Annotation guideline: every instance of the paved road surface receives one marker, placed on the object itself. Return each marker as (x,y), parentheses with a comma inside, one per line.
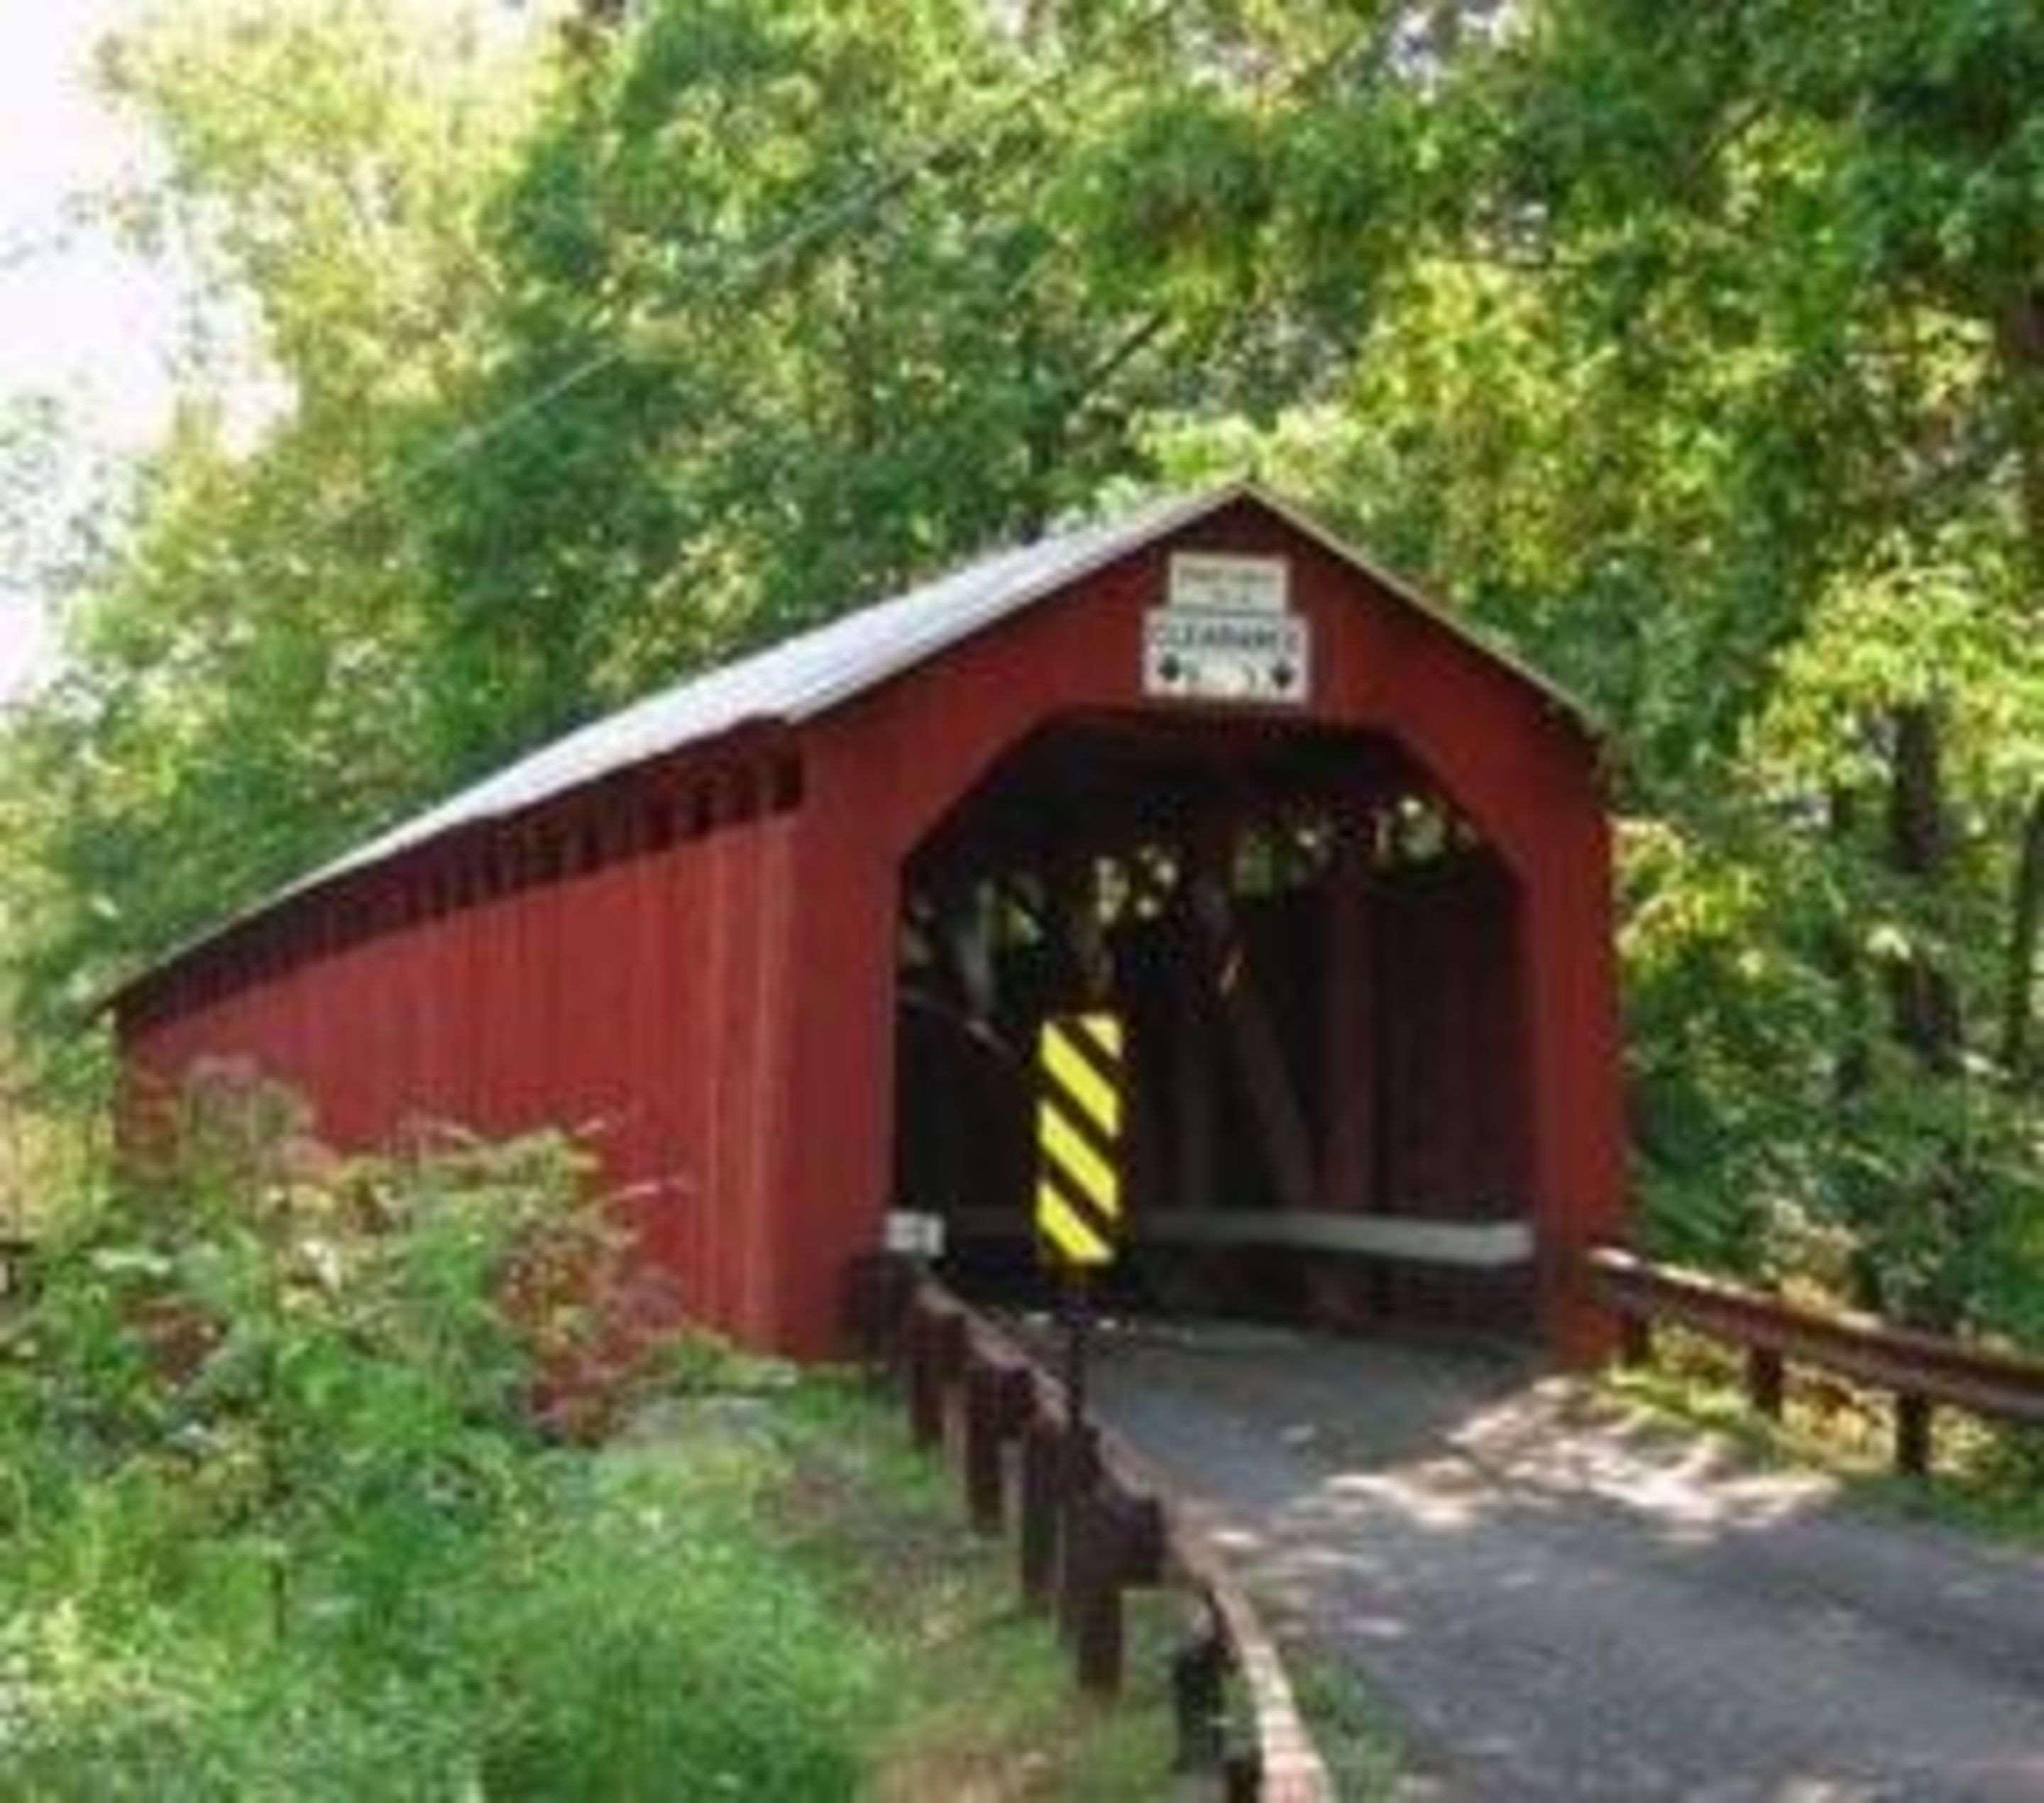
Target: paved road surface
(1568,1604)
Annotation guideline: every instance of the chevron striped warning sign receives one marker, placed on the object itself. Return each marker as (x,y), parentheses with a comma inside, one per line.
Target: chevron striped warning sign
(1078,1136)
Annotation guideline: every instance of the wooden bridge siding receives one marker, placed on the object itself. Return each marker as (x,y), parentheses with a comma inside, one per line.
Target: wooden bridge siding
(885,768)
(638,997)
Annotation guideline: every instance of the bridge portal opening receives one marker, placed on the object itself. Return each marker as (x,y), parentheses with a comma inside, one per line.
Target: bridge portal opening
(1318,964)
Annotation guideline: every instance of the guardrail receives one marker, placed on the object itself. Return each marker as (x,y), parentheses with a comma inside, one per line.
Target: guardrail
(1091,1517)
(1922,1370)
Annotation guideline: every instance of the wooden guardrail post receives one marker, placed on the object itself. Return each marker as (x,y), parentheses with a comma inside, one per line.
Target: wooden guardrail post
(1042,1452)
(878,1291)
(926,1397)
(1096,1599)
(1635,1340)
(1079,1469)
(949,1341)
(949,1336)
(936,1351)
(991,1414)
(1120,1541)
(1764,1380)
(1199,1670)
(1912,1435)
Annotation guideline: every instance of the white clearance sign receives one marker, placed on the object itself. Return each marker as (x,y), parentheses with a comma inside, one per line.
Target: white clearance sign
(1227,633)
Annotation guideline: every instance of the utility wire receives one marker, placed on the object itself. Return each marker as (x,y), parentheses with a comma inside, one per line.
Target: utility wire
(756,263)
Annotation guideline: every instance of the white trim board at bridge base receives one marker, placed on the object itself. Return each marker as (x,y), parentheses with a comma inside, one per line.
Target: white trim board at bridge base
(1475,1245)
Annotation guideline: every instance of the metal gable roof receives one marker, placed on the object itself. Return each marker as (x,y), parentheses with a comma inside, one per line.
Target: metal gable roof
(793,680)
(815,671)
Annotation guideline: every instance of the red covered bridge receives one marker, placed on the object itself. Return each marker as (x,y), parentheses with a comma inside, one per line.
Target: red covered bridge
(777,930)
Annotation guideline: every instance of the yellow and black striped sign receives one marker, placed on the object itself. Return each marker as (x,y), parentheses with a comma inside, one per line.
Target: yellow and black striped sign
(1078,1134)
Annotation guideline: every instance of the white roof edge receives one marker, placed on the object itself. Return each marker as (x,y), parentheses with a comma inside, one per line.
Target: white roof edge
(802,698)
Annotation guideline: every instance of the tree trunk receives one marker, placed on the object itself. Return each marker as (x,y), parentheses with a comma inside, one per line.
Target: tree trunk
(2018,331)
(2026,917)
(1916,796)
(590,28)
(1843,951)
(1924,1003)
(2020,339)
(1925,1006)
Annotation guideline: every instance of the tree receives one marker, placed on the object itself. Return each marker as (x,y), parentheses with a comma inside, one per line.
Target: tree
(797,310)
(241,692)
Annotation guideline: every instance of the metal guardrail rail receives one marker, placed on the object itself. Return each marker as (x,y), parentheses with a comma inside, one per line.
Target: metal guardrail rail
(1923,1370)
(1091,1517)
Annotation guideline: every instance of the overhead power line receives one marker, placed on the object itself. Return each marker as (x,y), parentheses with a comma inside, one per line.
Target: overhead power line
(751,267)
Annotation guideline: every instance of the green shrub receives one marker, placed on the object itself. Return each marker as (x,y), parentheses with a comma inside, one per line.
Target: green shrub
(659,1645)
(280,1517)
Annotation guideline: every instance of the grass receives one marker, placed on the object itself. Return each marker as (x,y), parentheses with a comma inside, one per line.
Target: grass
(980,1705)
(622,1630)
(1985,1479)
(1365,1755)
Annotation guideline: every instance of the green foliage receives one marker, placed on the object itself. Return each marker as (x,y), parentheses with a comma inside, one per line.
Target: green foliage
(592,367)
(240,692)
(811,292)
(668,1645)
(279,1520)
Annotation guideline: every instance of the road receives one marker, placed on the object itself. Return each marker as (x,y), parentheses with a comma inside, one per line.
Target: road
(1563,1599)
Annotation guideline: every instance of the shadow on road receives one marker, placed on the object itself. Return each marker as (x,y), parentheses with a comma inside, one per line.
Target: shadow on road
(1567,1599)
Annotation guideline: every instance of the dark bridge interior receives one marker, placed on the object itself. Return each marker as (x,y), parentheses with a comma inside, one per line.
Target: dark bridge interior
(1317,960)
